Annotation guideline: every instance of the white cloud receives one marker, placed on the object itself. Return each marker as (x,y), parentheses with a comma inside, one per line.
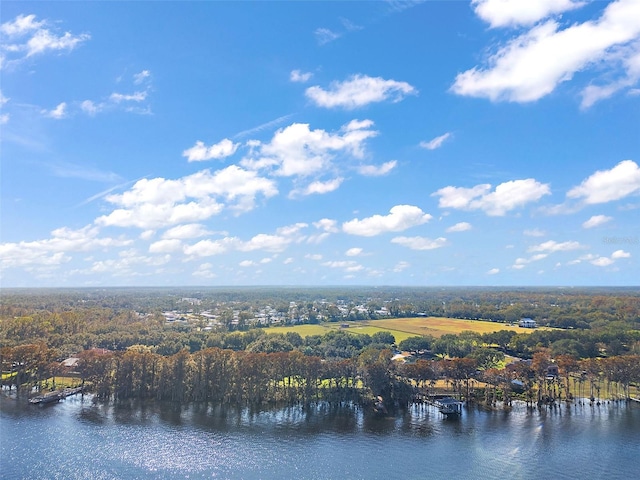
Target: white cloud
(358,91)
(436,142)
(401,217)
(3,99)
(609,185)
(300,77)
(493,271)
(191,230)
(349,266)
(401,266)
(4,118)
(327,224)
(507,13)
(140,96)
(324,35)
(139,78)
(602,261)
(90,107)
(620,254)
(532,65)
(165,246)
(204,271)
(596,221)
(535,232)
(377,170)
(158,202)
(25,37)
(57,113)
(420,243)
(521,262)
(353,252)
(506,196)
(553,246)
(298,151)
(200,152)
(459,227)
(21,25)
(208,248)
(318,187)
(54,250)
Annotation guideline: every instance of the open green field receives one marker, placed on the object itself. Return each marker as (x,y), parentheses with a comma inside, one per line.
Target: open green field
(402,328)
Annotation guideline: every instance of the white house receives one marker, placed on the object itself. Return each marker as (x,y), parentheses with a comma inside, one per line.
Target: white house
(527,323)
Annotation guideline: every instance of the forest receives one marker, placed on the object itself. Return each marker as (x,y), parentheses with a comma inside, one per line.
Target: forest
(125,349)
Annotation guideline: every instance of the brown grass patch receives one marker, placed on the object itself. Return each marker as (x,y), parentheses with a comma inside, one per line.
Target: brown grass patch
(438,326)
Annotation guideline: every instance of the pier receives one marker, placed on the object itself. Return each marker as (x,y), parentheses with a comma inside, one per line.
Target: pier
(56,396)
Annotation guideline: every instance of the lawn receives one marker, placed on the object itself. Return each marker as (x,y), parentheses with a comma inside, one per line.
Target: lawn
(438,326)
(402,328)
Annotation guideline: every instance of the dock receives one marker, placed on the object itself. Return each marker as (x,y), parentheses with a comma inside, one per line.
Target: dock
(448,406)
(56,396)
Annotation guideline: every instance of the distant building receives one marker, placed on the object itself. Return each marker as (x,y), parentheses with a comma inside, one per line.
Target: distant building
(527,323)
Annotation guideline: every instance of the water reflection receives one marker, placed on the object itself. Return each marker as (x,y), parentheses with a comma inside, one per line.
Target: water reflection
(79,439)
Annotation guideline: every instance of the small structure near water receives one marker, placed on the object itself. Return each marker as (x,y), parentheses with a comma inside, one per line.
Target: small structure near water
(56,396)
(449,406)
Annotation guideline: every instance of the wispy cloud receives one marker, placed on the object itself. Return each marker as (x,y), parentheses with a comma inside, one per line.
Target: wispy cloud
(436,142)
(264,126)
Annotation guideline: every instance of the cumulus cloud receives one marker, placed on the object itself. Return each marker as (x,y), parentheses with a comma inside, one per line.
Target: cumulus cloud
(353,252)
(327,224)
(508,13)
(606,261)
(24,37)
(57,113)
(299,76)
(208,247)
(420,243)
(506,197)
(190,230)
(493,271)
(165,246)
(158,202)
(520,263)
(401,217)
(91,108)
(349,266)
(276,243)
(55,250)
(459,227)
(553,246)
(377,170)
(301,152)
(609,185)
(200,151)
(358,91)
(435,142)
(596,221)
(531,65)
(318,188)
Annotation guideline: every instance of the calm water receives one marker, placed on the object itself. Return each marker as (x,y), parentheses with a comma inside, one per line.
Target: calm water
(78,440)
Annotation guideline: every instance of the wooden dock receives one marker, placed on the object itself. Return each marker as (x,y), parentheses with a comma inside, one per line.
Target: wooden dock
(56,396)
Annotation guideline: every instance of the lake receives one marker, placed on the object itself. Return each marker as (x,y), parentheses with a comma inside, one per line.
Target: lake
(76,439)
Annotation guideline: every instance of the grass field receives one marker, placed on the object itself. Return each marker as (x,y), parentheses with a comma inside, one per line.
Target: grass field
(402,328)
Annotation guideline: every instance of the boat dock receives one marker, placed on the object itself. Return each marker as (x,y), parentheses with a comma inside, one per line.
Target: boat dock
(448,406)
(56,396)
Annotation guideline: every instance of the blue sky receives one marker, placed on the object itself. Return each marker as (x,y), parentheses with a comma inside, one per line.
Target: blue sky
(490,142)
